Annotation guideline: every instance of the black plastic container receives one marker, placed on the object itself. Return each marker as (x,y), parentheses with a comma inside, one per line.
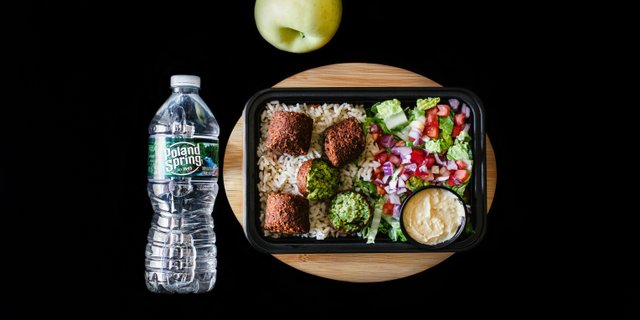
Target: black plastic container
(367,97)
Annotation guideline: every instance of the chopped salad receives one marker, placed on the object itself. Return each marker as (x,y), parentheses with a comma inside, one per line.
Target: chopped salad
(422,145)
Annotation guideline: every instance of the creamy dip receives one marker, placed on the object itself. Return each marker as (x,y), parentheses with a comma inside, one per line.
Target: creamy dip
(432,216)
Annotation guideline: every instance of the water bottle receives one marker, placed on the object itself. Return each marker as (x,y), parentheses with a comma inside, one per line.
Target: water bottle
(183,184)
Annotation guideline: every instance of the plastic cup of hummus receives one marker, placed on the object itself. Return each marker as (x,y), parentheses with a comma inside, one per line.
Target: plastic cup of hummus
(433,217)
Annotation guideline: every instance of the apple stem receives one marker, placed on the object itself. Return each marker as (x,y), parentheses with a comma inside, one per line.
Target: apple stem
(302,33)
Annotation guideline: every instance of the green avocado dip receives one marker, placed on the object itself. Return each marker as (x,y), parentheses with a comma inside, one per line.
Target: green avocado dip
(322,181)
(349,211)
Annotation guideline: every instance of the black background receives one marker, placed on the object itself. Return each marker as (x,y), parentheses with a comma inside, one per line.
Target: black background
(106,67)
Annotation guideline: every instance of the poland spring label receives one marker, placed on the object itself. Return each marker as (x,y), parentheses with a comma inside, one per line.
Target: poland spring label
(182,157)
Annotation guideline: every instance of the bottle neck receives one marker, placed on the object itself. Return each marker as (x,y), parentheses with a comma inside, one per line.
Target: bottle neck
(185,90)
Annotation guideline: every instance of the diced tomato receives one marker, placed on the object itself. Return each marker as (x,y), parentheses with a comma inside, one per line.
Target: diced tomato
(443,110)
(417,156)
(400,143)
(459,118)
(426,176)
(456,131)
(429,161)
(382,157)
(432,119)
(377,173)
(461,164)
(380,190)
(431,131)
(453,181)
(429,176)
(387,208)
(395,159)
(432,111)
(461,175)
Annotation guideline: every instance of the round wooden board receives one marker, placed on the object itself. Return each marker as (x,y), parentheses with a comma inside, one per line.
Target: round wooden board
(352,267)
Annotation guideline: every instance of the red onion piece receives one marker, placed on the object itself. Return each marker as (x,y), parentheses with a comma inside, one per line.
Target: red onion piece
(395,160)
(466,110)
(386,141)
(454,103)
(396,211)
(394,199)
(411,167)
(387,168)
(401,150)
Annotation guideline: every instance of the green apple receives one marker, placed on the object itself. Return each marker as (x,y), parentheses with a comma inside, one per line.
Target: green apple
(298,25)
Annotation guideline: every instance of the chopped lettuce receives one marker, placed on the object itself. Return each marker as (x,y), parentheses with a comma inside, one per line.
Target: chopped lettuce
(460,189)
(372,230)
(393,229)
(366,187)
(414,183)
(391,114)
(428,103)
(374,107)
(388,108)
(415,113)
(445,142)
(432,146)
(463,136)
(403,134)
(439,145)
(446,125)
(459,151)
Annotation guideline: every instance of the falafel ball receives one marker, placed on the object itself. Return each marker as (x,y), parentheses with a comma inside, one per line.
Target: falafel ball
(344,142)
(287,214)
(317,180)
(289,132)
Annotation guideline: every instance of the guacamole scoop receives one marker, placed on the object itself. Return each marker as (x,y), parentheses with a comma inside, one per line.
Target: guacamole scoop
(349,211)
(317,180)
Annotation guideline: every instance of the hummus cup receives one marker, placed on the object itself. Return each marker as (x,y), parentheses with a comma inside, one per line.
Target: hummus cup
(441,244)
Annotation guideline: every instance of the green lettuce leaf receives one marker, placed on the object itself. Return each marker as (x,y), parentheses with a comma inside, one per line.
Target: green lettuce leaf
(446,125)
(428,103)
(459,151)
(463,137)
(366,187)
(414,183)
(460,189)
(388,108)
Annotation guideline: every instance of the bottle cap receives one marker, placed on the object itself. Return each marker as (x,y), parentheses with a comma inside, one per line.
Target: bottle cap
(185,81)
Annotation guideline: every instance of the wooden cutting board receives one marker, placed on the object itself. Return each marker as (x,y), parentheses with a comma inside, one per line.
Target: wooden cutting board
(353,267)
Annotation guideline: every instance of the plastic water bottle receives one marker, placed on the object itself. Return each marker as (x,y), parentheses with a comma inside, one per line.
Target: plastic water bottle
(183,184)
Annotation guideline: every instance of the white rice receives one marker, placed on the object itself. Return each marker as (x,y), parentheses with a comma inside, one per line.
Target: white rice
(278,174)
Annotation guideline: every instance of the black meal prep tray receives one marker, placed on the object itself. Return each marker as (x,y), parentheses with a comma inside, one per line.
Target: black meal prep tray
(366,97)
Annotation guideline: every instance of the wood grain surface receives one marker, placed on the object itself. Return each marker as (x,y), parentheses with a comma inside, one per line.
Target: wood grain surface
(352,267)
